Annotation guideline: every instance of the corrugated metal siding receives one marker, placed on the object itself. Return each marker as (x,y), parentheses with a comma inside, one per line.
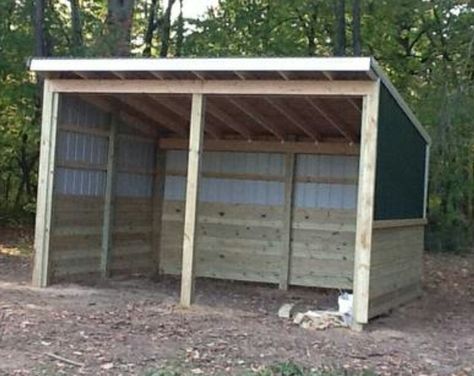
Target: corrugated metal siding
(307,195)
(135,155)
(323,195)
(88,149)
(74,111)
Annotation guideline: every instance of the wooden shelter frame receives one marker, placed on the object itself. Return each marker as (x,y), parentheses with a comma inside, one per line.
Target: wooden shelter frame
(368,90)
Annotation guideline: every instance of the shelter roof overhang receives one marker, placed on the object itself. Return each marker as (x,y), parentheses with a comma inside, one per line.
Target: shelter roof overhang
(294,69)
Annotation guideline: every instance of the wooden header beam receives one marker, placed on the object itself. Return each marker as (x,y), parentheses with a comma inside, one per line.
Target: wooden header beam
(224,87)
(335,148)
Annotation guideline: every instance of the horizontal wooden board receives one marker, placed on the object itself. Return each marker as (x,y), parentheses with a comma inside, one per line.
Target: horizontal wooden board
(396,266)
(243,242)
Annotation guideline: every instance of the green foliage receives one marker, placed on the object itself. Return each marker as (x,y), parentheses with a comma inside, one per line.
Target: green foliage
(280,369)
(426,46)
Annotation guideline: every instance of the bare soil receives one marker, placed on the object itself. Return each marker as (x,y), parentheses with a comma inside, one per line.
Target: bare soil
(130,327)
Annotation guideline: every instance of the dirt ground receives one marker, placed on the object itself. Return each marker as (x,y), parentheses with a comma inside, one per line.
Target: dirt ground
(129,327)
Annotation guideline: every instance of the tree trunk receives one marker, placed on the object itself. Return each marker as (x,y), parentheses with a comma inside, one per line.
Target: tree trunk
(151,27)
(180,31)
(340,28)
(166,29)
(356,39)
(77,41)
(40,44)
(119,26)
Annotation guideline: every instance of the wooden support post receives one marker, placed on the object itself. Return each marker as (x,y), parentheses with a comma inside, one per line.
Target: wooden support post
(365,207)
(287,221)
(109,199)
(45,186)
(427,172)
(157,205)
(192,197)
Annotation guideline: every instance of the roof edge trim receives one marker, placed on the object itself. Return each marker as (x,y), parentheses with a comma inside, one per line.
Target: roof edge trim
(401,102)
(338,64)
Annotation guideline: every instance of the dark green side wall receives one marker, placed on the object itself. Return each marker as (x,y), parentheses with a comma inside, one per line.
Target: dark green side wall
(400,171)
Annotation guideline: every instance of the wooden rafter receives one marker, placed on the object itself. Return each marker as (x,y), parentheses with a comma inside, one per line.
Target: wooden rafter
(292,117)
(198,75)
(157,75)
(257,118)
(347,133)
(126,114)
(152,113)
(228,121)
(172,106)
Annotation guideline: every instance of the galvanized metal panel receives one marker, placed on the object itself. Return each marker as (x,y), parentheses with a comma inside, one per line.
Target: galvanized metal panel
(134,154)
(70,181)
(75,111)
(80,147)
(322,195)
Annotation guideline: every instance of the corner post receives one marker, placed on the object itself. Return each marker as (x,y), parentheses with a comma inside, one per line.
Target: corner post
(192,197)
(427,172)
(45,186)
(157,206)
(365,207)
(109,199)
(287,221)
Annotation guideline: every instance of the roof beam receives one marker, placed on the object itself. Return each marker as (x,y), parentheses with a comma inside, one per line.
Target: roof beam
(329,148)
(288,113)
(341,128)
(131,120)
(157,75)
(198,75)
(229,121)
(156,116)
(218,87)
(284,75)
(257,118)
(120,75)
(184,114)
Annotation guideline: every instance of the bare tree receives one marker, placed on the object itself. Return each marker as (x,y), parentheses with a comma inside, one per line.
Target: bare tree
(180,31)
(151,27)
(356,39)
(77,41)
(40,40)
(166,29)
(340,28)
(119,26)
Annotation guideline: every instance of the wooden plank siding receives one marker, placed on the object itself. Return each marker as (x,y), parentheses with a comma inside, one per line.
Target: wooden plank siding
(244,242)
(396,267)
(79,197)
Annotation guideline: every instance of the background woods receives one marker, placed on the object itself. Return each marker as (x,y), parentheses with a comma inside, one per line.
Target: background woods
(427,47)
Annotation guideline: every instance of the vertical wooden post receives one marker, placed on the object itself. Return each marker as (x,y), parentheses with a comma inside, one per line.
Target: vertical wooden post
(192,196)
(109,199)
(427,171)
(45,186)
(365,207)
(287,221)
(157,205)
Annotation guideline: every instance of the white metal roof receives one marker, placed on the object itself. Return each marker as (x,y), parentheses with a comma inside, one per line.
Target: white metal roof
(366,68)
(294,64)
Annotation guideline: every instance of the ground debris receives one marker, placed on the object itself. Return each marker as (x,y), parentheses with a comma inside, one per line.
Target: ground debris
(319,320)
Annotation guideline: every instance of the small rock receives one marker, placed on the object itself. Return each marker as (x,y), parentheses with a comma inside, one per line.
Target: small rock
(298,318)
(285,310)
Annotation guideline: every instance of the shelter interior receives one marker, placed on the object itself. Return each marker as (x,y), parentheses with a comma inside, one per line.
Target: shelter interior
(275,177)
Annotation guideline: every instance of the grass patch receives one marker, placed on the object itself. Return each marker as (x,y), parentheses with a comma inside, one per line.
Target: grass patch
(280,369)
